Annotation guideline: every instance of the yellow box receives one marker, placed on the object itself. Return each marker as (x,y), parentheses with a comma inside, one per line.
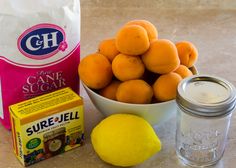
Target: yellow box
(47,125)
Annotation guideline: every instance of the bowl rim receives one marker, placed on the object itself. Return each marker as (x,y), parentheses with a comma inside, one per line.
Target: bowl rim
(193,69)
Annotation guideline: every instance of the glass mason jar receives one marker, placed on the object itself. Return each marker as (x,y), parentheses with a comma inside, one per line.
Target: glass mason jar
(205,105)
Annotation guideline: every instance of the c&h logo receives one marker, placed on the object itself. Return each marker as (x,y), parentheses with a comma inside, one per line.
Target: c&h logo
(42,41)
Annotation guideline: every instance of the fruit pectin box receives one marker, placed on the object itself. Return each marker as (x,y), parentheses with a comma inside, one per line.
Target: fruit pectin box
(47,125)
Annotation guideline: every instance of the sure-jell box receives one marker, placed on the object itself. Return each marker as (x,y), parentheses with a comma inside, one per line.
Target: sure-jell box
(47,125)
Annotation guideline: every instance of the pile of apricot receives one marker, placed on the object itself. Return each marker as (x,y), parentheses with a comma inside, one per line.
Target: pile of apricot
(137,67)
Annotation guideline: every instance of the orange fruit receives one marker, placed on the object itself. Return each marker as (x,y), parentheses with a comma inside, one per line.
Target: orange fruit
(108,48)
(187,52)
(148,26)
(127,67)
(134,91)
(95,71)
(165,86)
(183,71)
(110,90)
(132,40)
(162,57)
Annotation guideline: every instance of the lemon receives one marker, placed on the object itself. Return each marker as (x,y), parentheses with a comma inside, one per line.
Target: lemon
(125,140)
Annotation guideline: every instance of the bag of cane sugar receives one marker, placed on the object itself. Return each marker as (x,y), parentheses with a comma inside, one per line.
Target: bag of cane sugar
(39,49)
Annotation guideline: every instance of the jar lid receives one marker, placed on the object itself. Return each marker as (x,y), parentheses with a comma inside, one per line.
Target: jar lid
(206,96)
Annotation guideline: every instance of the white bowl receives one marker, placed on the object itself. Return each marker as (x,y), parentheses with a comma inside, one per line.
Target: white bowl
(156,113)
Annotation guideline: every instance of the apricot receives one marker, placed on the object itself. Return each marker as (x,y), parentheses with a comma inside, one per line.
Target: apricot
(187,52)
(134,91)
(132,40)
(108,48)
(165,86)
(183,71)
(110,90)
(95,71)
(148,26)
(162,57)
(127,67)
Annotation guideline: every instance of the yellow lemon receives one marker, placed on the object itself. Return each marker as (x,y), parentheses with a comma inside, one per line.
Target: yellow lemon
(125,140)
